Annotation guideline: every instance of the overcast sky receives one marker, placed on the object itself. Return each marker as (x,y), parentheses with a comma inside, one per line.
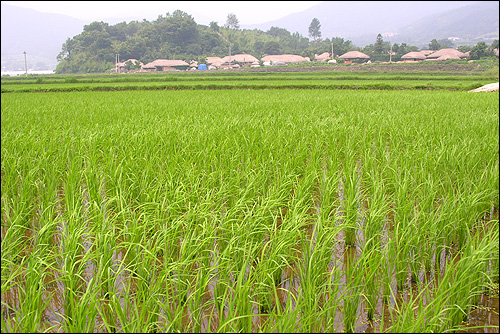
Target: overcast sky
(247,12)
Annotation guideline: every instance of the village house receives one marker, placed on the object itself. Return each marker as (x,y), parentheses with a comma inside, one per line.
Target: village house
(413,56)
(322,57)
(227,65)
(238,60)
(355,56)
(122,67)
(445,54)
(285,58)
(160,65)
(242,59)
(427,52)
(214,62)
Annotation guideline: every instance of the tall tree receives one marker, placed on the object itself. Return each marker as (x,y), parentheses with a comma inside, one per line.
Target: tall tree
(434,45)
(272,48)
(446,43)
(67,48)
(464,48)
(278,32)
(314,29)
(480,50)
(379,45)
(214,26)
(340,46)
(232,21)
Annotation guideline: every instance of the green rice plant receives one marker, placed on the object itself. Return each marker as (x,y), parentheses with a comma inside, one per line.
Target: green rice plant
(429,219)
(403,316)
(19,199)
(372,263)
(314,274)
(328,191)
(415,261)
(331,305)
(10,283)
(28,318)
(372,233)
(400,252)
(352,291)
(84,310)
(387,272)
(73,262)
(172,312)
(448,305)
(351,191)
(148,289)
(198,292)
(240,306)
(221,296)
(104,262)
(264,287)
(145,309)
(12,252)
(247,83)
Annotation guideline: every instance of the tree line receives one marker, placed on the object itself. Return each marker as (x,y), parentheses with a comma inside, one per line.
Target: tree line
(178,36)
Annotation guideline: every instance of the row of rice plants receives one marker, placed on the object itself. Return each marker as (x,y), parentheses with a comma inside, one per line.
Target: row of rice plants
(247,210)
(247,76)
(255,83)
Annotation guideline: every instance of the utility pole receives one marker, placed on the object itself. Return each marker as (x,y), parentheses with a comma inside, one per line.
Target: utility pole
(390,54)
(117,60)
(332,51)
(25,64)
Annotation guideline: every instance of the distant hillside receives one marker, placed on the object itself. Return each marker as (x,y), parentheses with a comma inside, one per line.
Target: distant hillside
(472,23)
(415,22)
(41,35)
(355,18)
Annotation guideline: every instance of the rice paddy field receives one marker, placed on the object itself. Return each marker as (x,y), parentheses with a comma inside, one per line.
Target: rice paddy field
(419,80)
(364,203)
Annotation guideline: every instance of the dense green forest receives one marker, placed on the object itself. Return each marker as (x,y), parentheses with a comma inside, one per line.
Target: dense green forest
(178,36)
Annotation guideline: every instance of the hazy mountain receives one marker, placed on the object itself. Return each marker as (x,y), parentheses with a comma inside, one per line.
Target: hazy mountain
(41,35)
(362,21)
(472,23)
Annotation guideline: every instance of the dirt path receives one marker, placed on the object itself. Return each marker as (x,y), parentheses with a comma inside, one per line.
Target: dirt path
(487,88)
